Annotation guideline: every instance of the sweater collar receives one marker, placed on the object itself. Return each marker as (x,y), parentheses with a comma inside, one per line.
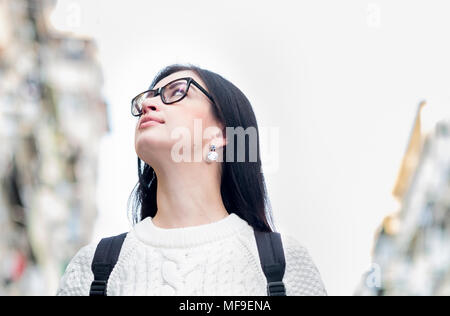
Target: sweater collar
(150,234)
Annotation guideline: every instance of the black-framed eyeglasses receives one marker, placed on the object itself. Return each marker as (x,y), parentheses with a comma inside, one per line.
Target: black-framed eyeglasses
(172,92)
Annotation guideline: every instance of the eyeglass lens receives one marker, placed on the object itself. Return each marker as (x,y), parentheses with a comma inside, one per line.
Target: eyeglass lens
(175,91)
(171,93)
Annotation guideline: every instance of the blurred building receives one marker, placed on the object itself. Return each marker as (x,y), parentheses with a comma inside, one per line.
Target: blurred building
(52,117)
(411,255)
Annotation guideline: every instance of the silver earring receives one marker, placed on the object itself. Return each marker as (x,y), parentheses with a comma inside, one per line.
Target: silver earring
(212,154)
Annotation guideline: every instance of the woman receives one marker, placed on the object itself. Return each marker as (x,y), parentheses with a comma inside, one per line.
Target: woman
(196,205)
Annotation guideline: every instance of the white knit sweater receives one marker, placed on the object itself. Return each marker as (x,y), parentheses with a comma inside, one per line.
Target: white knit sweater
(219,258)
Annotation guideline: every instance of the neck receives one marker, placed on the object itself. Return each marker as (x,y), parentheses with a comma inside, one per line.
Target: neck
(188,194)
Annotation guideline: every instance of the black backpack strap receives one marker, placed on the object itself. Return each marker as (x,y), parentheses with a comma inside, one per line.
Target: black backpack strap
(272,259)
(105,258)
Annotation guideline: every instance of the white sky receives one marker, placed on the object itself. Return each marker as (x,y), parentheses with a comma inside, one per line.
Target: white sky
(339,80)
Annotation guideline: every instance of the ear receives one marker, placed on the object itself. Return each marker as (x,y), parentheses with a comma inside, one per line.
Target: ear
(215,136)
(220,142)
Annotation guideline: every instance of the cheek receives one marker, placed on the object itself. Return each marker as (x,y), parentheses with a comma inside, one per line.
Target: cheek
(187,118)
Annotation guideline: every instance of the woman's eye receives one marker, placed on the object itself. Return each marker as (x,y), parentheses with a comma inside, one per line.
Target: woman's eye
(181,92)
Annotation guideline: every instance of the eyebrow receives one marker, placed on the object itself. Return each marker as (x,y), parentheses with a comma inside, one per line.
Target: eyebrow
(174,82)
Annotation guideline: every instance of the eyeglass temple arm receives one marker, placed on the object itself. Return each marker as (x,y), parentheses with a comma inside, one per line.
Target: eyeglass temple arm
(203,90)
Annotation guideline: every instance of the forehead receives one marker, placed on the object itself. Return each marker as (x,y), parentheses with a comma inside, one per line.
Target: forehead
(177,75)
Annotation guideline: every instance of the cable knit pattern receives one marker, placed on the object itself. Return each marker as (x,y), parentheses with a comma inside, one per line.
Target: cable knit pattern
(219,258)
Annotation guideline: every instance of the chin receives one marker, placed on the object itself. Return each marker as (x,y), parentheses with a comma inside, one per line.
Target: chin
(149,143)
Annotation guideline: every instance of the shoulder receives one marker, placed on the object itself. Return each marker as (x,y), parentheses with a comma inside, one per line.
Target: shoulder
(78,276)
(301,275)
(294,250)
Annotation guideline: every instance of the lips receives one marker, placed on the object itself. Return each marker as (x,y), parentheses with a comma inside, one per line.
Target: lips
(150,120)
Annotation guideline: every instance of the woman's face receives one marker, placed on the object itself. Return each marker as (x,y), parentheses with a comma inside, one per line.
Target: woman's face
(157,140)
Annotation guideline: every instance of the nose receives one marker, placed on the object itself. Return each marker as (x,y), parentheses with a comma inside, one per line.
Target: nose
(149,105)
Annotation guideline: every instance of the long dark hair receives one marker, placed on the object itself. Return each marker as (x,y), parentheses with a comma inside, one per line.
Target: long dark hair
(243,187)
